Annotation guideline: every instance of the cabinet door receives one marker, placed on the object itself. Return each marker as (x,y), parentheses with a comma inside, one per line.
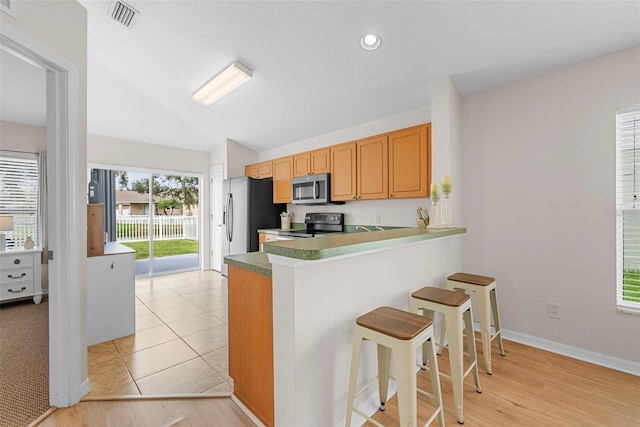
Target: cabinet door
(265,169)
(343,172)
(282,174)
(410,162)
(251,170)
(302,164)
(320,161)
(373,168)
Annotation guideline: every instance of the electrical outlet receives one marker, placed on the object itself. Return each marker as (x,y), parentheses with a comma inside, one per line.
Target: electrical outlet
(555,311)
(378,219)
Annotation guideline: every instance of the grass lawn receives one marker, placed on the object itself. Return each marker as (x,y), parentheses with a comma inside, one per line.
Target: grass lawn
(163,247)
(631,285)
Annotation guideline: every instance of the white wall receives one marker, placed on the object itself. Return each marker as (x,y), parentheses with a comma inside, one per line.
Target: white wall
(21,137)
(61,28)
(538,160)
(112,152)
(396,212)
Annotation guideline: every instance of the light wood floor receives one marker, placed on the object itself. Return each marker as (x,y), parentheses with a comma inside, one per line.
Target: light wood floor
(152,413)
(532,387)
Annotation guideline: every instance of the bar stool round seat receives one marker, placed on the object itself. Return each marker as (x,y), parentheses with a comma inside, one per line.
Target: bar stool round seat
(403,333)
(455,308)
(487,304)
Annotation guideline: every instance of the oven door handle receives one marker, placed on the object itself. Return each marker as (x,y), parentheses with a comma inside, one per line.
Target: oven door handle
(315,193)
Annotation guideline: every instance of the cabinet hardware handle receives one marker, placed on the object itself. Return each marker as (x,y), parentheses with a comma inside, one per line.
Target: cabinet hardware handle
(10,276)
(17,292)
(16,261)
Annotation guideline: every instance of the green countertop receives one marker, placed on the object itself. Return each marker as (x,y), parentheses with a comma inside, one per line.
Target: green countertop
(333,245)
(253,261)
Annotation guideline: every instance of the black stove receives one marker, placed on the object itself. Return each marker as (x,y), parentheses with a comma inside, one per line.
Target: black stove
(318,223)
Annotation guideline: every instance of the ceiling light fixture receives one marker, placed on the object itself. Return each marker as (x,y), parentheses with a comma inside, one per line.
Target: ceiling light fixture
(370,41)
(222,84)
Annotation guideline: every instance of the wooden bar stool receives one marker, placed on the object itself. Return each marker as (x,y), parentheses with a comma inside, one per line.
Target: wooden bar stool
(487,303)
(403,333)
(456,310)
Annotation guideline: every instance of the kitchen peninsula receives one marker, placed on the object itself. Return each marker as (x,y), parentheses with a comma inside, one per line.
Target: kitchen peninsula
(292,311)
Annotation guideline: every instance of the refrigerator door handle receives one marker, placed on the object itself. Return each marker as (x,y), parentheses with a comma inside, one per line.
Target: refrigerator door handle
(224,217)
(230,219)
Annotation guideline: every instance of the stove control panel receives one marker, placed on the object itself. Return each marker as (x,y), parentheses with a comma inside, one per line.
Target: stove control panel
(324,218)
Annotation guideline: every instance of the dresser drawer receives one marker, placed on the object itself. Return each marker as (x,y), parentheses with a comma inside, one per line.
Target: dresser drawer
(15,275)
(17,260)
(16,290)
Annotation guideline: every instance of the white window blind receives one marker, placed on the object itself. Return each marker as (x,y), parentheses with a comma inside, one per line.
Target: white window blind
(628,208)
(19,195)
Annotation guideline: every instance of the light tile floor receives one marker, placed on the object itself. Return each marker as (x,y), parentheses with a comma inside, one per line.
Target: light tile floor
(180,344)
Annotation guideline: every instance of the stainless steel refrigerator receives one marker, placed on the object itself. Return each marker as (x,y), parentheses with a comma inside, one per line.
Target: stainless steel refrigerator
(248,207)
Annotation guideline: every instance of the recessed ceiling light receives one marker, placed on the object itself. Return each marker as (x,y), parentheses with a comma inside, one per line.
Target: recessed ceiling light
(370,41)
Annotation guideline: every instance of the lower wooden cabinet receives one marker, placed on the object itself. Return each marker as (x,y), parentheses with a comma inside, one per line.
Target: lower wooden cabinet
(251,341)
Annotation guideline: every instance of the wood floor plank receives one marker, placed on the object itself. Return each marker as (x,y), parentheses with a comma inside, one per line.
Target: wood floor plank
(220,411)
(532,387)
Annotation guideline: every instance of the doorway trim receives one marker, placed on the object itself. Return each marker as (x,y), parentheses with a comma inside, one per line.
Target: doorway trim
(67,318)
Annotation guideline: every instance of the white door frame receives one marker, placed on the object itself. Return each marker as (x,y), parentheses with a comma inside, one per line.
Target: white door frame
(215,206)
(67,298)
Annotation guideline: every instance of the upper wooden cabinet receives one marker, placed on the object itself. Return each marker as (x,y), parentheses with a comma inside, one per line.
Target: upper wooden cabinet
(343,172)
(259,170)
(312,162)
(373,168)
(282,174)
(251,170)
(410,162)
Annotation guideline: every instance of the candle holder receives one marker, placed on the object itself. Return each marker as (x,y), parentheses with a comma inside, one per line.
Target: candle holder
(434,214)
(446,210)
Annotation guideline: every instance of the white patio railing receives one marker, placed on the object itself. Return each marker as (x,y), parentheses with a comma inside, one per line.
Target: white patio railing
(133,228)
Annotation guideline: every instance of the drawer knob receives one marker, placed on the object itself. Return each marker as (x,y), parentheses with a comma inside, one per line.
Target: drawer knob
(16,261)
(17,292)
(11,276)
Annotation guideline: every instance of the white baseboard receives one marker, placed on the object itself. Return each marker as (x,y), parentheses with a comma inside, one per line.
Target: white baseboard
(85,388)
(611,362)
(247,411)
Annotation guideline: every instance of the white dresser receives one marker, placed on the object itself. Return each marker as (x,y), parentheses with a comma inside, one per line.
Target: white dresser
(20,275)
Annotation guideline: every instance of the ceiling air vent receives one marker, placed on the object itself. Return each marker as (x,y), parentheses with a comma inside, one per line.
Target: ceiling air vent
(123,13)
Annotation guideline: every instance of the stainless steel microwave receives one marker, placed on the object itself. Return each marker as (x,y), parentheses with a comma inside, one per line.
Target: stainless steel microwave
(311,189)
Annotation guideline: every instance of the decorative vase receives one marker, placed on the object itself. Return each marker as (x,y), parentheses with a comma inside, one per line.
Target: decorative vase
(29,243)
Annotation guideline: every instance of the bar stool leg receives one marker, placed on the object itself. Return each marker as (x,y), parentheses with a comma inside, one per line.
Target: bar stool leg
(471,343)
(484,315)
(496,319)
(435,379)
(425,359)
(384,360)
(405,362)
(353,376)
(454,321)
(443,332)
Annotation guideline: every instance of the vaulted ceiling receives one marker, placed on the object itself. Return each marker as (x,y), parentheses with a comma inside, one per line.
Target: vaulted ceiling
(310,75)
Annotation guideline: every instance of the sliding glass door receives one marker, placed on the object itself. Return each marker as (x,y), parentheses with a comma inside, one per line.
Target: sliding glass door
(163,224)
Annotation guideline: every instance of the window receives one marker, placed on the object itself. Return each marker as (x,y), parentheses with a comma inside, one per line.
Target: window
(19,195)
(628,208)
